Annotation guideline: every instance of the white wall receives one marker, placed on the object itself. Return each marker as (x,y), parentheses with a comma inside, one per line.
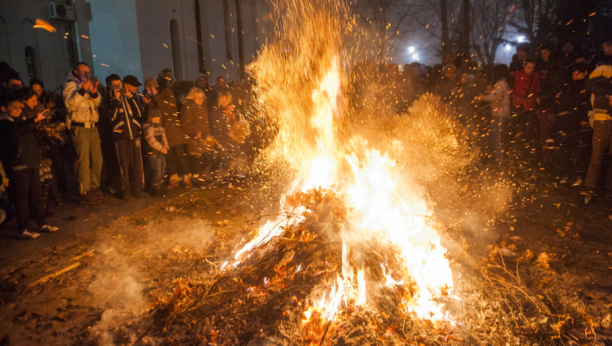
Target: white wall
(114,38)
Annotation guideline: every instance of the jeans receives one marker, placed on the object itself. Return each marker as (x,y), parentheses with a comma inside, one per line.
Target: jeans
(602,142)
(25,188)
(498,137)
(156,169)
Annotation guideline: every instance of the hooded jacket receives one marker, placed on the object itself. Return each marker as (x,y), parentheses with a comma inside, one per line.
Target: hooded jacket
(165,102)
(600,86)
(155,136)
(126,115)
(20,147)
(82,106)
(194,119)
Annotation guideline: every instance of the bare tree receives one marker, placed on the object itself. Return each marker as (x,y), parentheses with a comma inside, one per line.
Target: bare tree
(387,20)
(536,19)
(489,27)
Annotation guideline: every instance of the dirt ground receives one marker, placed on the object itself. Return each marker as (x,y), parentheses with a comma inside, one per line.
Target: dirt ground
(558,249)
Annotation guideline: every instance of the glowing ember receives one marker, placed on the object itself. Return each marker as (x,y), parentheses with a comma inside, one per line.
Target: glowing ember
(300,89)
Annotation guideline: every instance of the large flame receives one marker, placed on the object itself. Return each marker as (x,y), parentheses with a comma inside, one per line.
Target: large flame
(300,89)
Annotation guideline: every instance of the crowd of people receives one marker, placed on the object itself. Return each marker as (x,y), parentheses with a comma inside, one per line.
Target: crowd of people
(551,108)
(111,140)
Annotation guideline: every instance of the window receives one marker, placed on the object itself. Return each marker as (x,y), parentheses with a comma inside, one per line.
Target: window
(32,63)
(227,19)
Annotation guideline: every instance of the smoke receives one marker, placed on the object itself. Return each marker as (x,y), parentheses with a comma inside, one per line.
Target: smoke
(127,265)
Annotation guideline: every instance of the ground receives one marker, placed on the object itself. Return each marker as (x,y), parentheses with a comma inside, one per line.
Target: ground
(126,261)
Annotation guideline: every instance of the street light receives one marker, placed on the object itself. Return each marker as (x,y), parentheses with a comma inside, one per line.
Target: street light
(410,49)
(521,39)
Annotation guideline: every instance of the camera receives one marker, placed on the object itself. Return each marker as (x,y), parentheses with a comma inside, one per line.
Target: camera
(122,91)
(94,80)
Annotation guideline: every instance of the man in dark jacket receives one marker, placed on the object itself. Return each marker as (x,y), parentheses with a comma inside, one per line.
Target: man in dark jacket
(600,87)
(126,114)
(21,157)
(572,130)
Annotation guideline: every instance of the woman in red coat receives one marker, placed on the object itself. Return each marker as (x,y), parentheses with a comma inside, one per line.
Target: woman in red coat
(525,100)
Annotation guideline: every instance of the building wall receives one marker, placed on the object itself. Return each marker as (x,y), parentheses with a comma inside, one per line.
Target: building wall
(133,37)
(114,38)
(17,18)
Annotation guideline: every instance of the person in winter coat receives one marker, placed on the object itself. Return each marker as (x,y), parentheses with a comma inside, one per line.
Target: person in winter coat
(201,82)
(176,159)
(525,100)
(572,130)
(126,114)
(500,106)
(21,157)
(194,118)
(155,148)
(82,101)
(228,132)
(599,85)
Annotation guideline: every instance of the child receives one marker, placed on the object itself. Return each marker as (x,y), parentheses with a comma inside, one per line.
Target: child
(21,157)
(155,147)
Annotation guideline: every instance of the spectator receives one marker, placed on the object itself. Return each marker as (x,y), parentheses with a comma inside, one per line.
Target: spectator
(220,86)
(111,175)
(552,79)
(126,113)
(176,159)
(228,131)
(202,83)
(446,87)
(572,125)
(82,100)
(194,118)
(525,100)
(29,99)
(164,79)
(155,149)
(599,85)
(151,89)
(4,183)
(21,156)
(500,106)
(57,139)
(568,59)
(447,59)
(12,82)
(38,88)
(518,59)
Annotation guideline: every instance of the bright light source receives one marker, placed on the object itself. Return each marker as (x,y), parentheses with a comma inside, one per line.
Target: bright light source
(410,50)
(521,39)
(415,56)
(508,47)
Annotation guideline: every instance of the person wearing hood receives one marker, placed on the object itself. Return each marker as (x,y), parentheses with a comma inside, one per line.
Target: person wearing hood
(201,82)
(155,148)
(82,101)
(176,159)
(126,114)
(194,118)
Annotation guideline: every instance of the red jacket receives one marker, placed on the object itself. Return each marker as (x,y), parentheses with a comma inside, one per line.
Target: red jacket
(525,90)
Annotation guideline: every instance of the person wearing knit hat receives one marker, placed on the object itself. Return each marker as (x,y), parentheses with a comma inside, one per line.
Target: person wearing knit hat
(201,82)
(155,147)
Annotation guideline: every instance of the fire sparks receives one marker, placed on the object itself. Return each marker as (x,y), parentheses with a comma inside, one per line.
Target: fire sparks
(301,78)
